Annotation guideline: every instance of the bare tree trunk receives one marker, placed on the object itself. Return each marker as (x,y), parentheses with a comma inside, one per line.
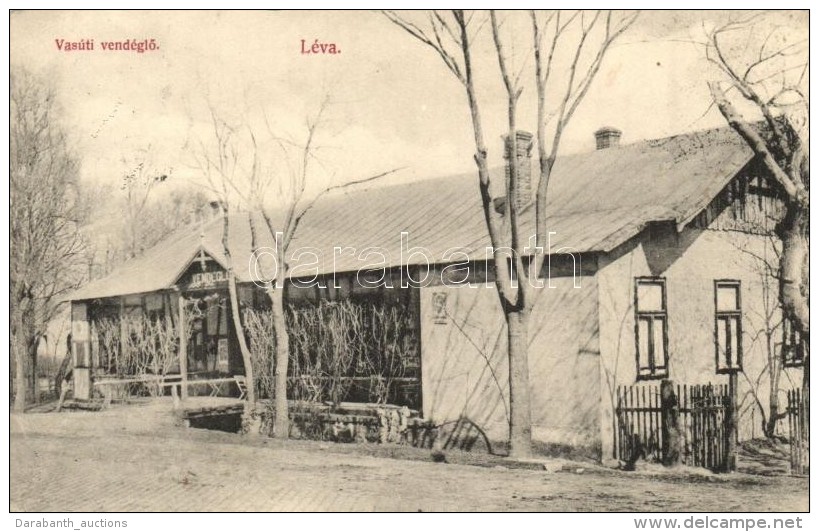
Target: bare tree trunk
(520,428)
(773,417)
(281,428)
(793,278)
(806,370)
(237,322)
(32,340)
(62,373)
(22,385)
(793,270)
(775,370)
(21,364)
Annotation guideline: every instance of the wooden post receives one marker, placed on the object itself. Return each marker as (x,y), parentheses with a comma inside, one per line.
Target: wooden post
(731,425)
(81,345)
(183,348)
(122,331)
(670,421)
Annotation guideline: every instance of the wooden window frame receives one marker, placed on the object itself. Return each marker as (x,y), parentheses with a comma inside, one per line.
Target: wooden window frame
(655,371)
(793,349)
(728,316)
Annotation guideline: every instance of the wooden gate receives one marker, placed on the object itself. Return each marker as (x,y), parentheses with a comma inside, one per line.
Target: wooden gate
(703,423)
(799,432)
(639,428)
(705,412)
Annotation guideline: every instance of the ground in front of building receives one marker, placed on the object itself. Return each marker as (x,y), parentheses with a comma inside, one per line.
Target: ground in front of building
(138,458)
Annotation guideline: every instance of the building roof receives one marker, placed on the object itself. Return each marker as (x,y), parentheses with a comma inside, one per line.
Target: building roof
(597,201)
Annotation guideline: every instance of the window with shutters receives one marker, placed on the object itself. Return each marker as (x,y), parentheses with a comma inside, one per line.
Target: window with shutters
(728,326)
(651,328)
(793,348)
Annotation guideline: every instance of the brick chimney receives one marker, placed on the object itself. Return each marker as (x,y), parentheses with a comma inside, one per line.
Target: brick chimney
(607,137)
(524,150)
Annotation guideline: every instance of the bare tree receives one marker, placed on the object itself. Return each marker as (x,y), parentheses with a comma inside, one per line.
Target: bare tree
(242,168)
(567,50)
(293,186)
(138,182)
(44,221)
(220,165)
(766,329)
(141,217)
(767,81)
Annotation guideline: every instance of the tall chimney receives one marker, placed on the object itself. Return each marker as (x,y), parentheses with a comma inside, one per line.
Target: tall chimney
(607,137)
(523,155)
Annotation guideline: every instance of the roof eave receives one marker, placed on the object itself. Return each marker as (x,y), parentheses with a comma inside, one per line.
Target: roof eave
(706,199)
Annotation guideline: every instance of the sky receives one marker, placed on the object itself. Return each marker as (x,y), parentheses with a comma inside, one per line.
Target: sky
(393,103)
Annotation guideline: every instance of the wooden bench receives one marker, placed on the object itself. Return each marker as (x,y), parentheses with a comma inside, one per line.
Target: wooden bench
(107,386)
(174,382)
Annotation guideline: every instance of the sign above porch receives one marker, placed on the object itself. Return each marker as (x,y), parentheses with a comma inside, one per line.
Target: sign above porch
(203,273)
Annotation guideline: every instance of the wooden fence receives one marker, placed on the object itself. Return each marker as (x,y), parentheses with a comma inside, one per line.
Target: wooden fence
(799,432)
(698,415)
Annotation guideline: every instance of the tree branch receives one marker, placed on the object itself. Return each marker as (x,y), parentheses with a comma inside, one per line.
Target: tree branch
(795,189)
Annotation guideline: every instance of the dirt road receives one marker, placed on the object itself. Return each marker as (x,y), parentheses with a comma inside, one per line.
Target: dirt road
(138,459)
